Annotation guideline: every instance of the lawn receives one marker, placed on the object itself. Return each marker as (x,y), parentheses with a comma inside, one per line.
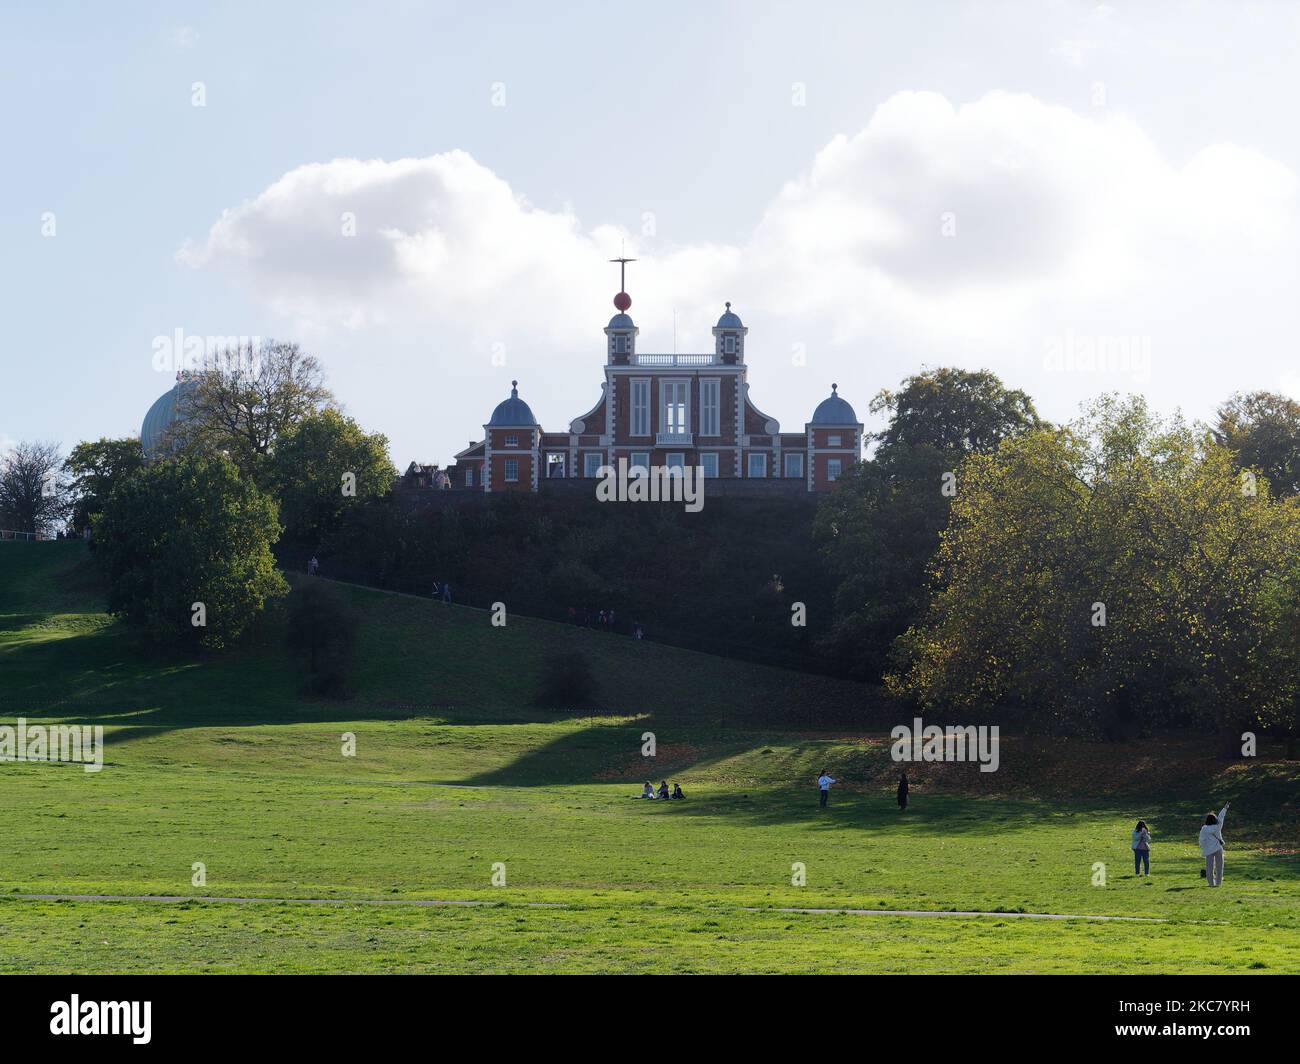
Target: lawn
(219,762)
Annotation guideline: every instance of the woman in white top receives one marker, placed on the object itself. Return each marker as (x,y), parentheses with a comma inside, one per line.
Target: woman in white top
(1141,849)
(1212,846)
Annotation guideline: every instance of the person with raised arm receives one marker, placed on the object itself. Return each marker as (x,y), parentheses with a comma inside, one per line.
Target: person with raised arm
(1212,846)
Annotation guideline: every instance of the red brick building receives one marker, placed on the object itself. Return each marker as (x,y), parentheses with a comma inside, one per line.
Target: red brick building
(664,410)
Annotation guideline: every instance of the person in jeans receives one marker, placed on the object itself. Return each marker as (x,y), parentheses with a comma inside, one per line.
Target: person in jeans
(1212,846)
(824,785)
(1141,849)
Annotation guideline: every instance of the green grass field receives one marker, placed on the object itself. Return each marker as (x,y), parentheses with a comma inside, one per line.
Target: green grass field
(221,762)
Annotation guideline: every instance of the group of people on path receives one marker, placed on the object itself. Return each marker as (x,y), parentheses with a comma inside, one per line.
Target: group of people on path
(1210,839)
(605,620)
(663,794)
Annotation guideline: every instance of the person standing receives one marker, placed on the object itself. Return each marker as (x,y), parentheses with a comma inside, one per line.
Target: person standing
(902,792)
(824,785)
(1141,849)
(1212,846)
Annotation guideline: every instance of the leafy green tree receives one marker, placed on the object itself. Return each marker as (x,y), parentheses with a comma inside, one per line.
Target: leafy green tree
(1108,577)
(322,466)
(96,468)
(879,529)
(953,410)
(186,549)
(1263,430)
(246,400)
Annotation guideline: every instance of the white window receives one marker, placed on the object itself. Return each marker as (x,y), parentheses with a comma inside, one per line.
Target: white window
(729,345)
(512,441)
(709,463)
(710,390)
(833,469)
(793,464)
(555,464)
(673,407)
(675,460)
(640,460)
(620,344)
(469,476)
(640,407)
(591,464)
(512,470)
(832,441)
(757,465)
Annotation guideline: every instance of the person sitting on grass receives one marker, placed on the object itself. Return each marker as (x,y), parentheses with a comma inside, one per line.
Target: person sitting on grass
(1211,840)
(1141,849)
(648,791)
(663,789)
(677,791)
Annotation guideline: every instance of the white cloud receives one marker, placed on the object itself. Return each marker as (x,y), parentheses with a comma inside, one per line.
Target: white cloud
(1062,221)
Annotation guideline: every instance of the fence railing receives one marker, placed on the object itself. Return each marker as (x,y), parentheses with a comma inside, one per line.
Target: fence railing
(25,537)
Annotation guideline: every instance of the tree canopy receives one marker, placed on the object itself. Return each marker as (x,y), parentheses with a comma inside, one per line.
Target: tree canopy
(323,465)
(33,490)
(186,548)
(1263,430)
(1108,576)
(246,400)
(880,528)
(96,467)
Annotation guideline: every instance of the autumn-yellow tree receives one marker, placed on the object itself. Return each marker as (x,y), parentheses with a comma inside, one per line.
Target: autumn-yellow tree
(1110,576)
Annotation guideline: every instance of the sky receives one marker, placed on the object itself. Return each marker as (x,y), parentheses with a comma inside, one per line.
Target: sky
(1080,198)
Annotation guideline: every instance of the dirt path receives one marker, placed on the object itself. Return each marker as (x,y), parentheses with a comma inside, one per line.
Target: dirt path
(171,899)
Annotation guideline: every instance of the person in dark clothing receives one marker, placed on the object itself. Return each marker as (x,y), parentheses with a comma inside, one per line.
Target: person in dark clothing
(902,791)
(677,791)
(663,789)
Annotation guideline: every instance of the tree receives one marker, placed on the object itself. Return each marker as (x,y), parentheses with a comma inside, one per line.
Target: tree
(186,548)
(953,410)
(96,469)
(323,465)
(879,529)
(33,491)
(1263,430)
(323,630)
(246,400)
(1108,577)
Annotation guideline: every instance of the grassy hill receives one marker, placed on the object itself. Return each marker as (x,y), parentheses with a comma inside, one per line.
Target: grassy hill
(219,763)
(414,655)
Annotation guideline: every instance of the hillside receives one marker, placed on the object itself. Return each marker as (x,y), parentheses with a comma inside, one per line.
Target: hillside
(63,655)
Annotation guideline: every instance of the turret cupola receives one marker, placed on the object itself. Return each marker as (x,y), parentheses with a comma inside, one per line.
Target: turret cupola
(621,330)
(729,338)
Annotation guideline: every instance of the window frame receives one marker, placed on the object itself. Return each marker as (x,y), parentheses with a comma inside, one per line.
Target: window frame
(639,407)
(785,463)
(749,465)
(710,406)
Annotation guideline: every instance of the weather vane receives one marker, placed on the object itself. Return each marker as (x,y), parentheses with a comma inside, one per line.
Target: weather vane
(622,301)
